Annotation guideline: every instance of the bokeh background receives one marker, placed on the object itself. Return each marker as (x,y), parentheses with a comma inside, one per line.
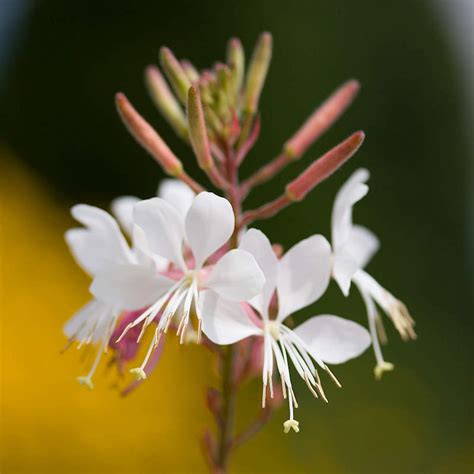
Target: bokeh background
(61,142)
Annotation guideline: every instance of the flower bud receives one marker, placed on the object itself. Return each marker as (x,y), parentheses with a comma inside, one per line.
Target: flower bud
(321,119)
(323,167)
(257,72)
(144,133)
(236,62)
(190,70)
(175,73)
(197,129)
(165,101)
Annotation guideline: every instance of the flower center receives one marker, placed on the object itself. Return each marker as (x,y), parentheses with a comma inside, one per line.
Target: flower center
(273,327)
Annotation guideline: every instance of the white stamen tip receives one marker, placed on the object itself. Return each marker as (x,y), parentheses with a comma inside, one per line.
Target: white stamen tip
(139,373)
(289,425)
(382,367)
(85,380)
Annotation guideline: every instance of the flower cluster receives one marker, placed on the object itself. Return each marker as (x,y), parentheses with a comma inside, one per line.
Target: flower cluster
(189,262)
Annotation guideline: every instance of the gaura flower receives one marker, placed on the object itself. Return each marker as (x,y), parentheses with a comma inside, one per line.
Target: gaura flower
(177,193)
(101,244)
(96,246)
(299,279)
(353,247)
(206,227)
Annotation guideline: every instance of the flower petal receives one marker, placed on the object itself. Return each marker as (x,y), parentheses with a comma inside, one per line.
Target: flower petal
(122,209)
(163,227)
(257,243)
(225,322)
(303,275)
(236,276)
(129,286)
(177,193)
(363,244)
(351,192)
(333,339)
(344,268)
(209,225)
(100,243)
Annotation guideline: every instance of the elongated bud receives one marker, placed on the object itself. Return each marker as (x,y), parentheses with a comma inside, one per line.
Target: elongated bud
(197,129)
(190,70)
(257,72)
(144,133)
(175,73)
(321,119)
(165,101)
(236,62)
(323,167)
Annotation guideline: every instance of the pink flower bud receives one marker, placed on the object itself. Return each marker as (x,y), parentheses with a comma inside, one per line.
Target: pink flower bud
(197,130)
(323,167)
(321,119)
(144,133)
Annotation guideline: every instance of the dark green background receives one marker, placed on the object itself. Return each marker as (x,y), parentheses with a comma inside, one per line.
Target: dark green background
(57,110)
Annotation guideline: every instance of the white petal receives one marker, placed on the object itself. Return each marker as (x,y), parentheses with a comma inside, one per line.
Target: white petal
(303,275)
(142,251)
(209,225)
(100,243)
(352,191)
(333,339)
(236,276)
(257,243)
(129,286)
(225,322)
(344,268)
(362,245)
(93,319)
(122,209)
(177,193)
(163,227)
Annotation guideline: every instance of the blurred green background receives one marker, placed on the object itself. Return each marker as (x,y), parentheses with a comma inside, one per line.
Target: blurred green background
(62,142)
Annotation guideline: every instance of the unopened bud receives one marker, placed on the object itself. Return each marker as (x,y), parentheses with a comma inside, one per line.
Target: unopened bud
(321,119)
(257,72)
(190,70)
(165,101)
(175,73)
(236,62)
(197,129)
(323,167)
(144,133)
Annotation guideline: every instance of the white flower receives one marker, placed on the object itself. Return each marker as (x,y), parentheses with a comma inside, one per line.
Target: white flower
(177,193)
(299,278)
(353,247)
(94,247)
(206,227)
(101,244)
